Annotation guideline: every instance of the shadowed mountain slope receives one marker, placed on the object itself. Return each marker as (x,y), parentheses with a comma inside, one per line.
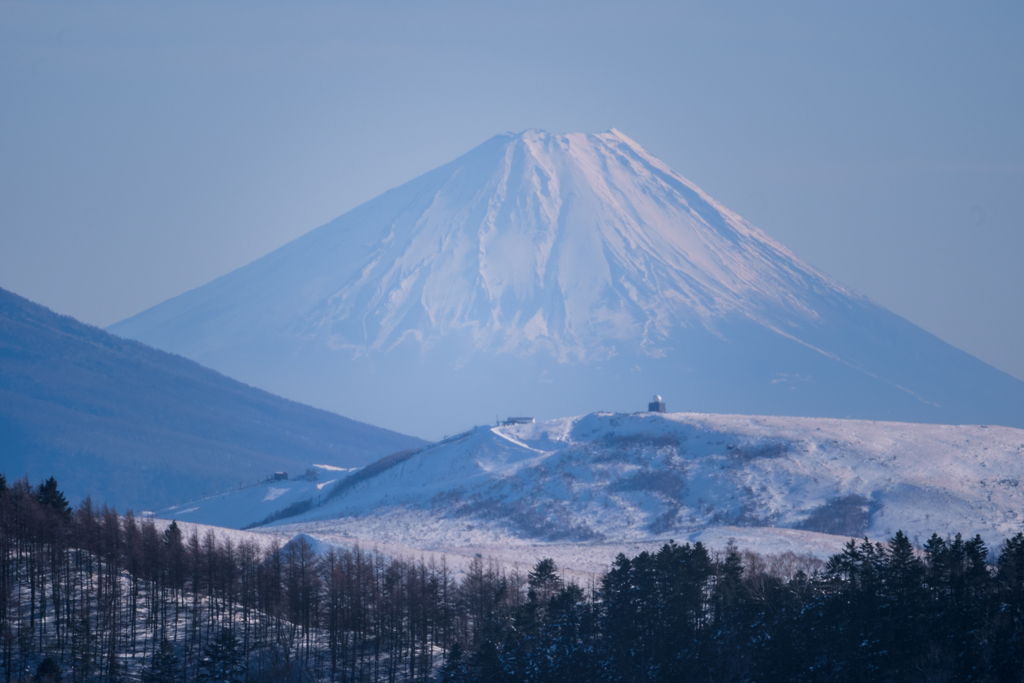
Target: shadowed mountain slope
(142,428)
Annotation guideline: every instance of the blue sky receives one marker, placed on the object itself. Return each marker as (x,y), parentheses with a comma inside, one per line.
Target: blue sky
(147,148)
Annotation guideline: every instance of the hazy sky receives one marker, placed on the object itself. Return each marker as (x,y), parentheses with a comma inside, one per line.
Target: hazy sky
(146,148)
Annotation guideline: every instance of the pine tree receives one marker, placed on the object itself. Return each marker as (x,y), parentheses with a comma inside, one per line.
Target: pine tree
(568,640)
(544,580)
(48,671)
(49,495)
(222,661)
(486,665)
(730,619)
(164,667)
(904,604)
(454,669)
(1009,619)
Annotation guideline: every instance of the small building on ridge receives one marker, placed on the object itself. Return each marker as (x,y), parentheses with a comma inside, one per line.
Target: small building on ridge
(657,405)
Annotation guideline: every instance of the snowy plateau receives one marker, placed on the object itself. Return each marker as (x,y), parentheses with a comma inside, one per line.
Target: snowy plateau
(546,275)
(583,489)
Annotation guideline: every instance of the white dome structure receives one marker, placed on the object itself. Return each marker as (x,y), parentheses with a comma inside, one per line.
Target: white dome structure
(657,405)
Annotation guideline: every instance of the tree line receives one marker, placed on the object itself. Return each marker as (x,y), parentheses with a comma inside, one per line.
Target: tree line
(89,595)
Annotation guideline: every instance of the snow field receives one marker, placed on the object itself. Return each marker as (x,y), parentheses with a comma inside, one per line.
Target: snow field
(583,489)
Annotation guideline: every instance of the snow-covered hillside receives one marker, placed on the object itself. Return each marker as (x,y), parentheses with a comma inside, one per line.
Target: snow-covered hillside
(258,501)
(574,272)
(607,480)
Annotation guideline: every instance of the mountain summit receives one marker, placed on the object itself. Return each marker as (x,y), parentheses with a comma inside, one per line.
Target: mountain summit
(547,274)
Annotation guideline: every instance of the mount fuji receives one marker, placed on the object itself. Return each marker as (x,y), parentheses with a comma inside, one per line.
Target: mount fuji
(546,275)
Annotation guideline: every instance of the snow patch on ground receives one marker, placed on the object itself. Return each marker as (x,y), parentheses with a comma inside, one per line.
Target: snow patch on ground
(274,494)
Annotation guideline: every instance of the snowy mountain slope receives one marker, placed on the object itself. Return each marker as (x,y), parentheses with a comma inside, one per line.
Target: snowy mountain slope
(259,501)
(575,272)
(629,477)
(609,479)
(230,514)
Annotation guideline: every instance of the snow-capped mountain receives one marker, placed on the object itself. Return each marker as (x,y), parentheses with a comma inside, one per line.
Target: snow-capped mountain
(545,274)
(609,478)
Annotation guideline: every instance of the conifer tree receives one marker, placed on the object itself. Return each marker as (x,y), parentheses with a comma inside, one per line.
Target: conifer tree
(1009,619)
(222,661)
(165,667)
(48,671)
(903,606)
(544,580)
(454,669)
(730,614)
(50,496)
(486,666)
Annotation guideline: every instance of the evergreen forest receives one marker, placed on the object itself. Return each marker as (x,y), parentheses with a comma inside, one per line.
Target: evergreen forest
(89,595)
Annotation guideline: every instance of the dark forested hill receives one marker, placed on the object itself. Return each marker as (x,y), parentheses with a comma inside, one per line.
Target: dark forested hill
(141,428)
